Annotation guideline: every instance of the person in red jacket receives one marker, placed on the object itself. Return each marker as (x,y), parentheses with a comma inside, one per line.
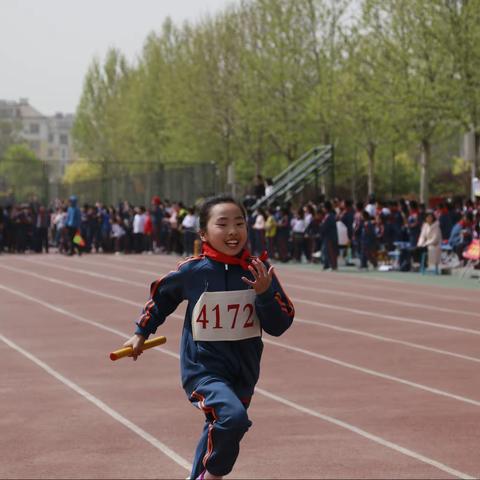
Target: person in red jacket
(148,232)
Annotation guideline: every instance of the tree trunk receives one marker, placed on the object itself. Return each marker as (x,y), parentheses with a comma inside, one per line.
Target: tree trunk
(475,161)
(371,149)
(424,171)
(354,177)
(394,174)
(104,180)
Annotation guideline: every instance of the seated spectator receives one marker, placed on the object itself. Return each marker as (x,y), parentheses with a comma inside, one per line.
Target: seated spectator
(462,234)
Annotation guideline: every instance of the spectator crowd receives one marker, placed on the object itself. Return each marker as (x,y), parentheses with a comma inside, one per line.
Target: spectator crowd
(318,232)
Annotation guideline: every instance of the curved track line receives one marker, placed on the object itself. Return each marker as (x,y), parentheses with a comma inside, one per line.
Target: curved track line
(267,394)
(348,330)
(299,320)
(297,300)
(327,278)
(306,352)
(315,289)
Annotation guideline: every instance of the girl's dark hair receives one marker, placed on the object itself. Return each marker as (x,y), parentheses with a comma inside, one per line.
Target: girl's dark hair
(205,209)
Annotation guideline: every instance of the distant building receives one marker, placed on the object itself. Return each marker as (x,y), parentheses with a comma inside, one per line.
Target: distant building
(49,137)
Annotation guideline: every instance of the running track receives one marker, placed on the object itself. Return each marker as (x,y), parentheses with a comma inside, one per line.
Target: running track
(364,385)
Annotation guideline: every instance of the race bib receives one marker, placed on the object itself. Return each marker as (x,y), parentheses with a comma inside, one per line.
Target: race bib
(225,316)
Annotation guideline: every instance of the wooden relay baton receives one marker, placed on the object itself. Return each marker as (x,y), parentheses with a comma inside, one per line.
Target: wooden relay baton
(127,351)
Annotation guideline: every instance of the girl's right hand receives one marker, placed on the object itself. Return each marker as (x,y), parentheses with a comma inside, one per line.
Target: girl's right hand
(136,342)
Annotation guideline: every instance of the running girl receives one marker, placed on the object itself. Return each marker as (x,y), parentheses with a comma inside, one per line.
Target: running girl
(232,298)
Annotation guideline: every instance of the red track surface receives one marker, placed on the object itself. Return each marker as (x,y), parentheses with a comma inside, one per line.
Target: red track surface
(366,383)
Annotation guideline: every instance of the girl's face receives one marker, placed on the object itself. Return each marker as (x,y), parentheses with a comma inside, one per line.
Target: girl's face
(226,229)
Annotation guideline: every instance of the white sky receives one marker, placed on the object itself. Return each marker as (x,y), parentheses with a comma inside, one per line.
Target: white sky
(46,46)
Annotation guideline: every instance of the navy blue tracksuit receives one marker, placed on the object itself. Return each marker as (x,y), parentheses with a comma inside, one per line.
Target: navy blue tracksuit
(368,244)
(218,376)
(329,232)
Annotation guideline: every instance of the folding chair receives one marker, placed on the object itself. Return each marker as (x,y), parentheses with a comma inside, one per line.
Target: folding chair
(472,254)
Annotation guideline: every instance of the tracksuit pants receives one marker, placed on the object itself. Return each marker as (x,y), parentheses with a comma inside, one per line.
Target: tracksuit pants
(226,423)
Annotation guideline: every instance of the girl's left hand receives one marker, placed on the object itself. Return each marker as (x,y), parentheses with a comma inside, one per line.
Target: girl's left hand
(261,278)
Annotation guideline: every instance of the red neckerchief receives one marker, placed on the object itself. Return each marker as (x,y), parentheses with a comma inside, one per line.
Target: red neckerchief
(242,259)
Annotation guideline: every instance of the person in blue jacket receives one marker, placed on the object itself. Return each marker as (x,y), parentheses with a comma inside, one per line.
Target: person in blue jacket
(461,234)
(232,299)
(73,222)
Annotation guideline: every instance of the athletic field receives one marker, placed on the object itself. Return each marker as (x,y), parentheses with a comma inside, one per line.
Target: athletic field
(377,377)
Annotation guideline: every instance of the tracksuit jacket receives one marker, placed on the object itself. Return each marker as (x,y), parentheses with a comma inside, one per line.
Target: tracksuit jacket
(219,377)
(237,362)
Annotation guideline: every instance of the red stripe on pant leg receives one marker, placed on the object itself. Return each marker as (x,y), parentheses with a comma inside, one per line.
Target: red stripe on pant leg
(206,410)
(209,446)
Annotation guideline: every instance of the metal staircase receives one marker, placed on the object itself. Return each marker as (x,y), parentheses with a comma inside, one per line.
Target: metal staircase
(300,173)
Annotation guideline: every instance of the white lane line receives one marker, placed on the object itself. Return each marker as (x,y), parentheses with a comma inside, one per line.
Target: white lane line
(85,272)
(318,276)
(343,293)
(357,332)
(317,290)
(395,318)
(375,373)
(316,355)
(79,318)
(101,405)
(387,339)
(352,331)
(71,285)
(265,393)
(337,292)
(365,434)
(368,283)
(334,307)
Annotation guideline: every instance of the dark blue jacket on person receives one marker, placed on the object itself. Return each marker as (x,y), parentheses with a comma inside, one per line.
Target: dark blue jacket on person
(368,238)
(347,219)
(445,222)
(237,362)
(74,218)
(460,234)
(328,228)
